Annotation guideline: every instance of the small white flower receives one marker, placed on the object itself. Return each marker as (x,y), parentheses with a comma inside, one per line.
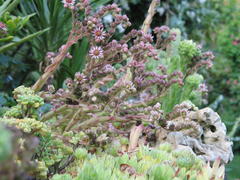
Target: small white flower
(69,3)
(96,52)
(99,34)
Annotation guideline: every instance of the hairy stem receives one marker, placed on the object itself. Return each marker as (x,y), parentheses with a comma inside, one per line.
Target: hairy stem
(49,71)
(95,121)
(51,114)
(73,120)
(52,67)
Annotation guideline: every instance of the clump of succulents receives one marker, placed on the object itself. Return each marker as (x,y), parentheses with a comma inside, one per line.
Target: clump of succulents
(53,147)
(160,163)
(24,115)
(103,123)
(28,103)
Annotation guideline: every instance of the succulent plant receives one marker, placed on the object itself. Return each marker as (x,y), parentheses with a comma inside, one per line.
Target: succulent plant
(159,164)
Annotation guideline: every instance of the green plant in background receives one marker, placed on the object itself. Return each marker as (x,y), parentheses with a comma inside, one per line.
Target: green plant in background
(10,25)
(10,39)
(224,79)
(226,70)
(201,15)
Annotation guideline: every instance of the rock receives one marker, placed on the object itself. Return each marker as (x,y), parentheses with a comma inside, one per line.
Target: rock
(201,130)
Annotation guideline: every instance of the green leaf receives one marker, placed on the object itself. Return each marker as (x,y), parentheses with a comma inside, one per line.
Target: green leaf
(26,19)
(6,7)
(8,38)
(79,56)
(10,45)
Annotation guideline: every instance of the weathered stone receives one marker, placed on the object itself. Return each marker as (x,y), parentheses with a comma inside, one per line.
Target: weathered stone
(201,130)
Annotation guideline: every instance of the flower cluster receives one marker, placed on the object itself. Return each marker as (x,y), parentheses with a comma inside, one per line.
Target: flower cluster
(116,84)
